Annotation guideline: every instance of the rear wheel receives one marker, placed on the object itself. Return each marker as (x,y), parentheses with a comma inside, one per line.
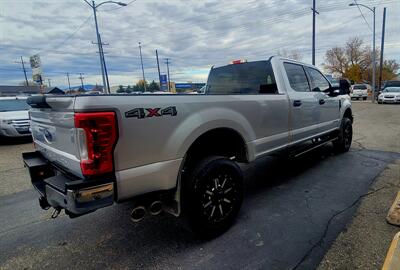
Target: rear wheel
(212,195)
(343,142)
(364,98)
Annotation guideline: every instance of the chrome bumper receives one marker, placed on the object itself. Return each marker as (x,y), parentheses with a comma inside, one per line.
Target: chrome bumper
(76,196)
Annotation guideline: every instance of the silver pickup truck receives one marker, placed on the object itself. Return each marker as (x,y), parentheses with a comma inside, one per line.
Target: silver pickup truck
(179,153)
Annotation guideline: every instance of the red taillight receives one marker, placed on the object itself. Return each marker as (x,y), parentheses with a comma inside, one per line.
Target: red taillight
(236,62)
(100,132)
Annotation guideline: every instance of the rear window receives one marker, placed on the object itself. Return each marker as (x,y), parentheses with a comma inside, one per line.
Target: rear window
(247,78)
(13,105)
(360,87)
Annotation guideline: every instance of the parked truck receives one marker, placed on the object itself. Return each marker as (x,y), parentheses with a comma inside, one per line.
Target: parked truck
(180,153)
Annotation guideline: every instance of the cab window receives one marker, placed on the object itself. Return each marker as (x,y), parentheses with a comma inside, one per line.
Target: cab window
(318,81)
(297,77)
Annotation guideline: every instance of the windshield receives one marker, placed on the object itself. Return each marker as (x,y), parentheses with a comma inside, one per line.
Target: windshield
(361,86)
(392,89)
(13,105)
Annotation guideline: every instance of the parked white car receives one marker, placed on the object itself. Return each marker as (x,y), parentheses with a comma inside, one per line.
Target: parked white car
(14,117)
(389,95)
(359,91)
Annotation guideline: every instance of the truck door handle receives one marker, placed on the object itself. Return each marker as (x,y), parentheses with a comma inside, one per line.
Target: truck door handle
(296,103)
(321,101)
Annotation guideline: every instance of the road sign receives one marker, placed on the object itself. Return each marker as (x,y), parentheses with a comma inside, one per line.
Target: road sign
(164,82)
(36,66)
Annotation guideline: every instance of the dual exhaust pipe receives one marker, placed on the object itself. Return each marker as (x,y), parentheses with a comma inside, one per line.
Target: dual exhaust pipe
(139,212)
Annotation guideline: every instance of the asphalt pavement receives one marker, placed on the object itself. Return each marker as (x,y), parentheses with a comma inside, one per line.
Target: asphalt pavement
(292,212)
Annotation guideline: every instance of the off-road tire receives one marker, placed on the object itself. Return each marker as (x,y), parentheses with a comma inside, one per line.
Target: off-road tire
(345,136)
(212,194)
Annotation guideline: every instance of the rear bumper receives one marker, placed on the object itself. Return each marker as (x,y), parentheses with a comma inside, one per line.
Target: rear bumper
(76,196)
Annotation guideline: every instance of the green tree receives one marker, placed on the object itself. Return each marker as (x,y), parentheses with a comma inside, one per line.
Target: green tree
(120,89)
(128,89)
(153,86)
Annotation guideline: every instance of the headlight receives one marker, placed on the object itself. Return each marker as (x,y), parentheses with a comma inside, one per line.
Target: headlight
(6,122)
(380,96)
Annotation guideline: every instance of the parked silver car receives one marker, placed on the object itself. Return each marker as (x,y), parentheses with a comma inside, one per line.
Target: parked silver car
(14,117)
(389,95)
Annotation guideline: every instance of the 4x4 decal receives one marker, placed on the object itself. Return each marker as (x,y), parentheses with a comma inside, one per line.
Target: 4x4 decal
(141,113)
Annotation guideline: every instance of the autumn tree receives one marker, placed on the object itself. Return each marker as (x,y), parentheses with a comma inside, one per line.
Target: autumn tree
(354,61)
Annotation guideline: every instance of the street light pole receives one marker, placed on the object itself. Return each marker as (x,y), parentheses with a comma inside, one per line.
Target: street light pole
(106,87)
(373,49)
(141,61)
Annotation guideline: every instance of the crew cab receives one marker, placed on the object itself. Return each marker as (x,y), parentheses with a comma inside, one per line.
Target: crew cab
(180,153)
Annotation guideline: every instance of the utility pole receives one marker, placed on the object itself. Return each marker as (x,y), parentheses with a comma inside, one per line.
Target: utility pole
(141,61)
(106,86)
(169,79)
(48,80)
(69,84)
(81,78)
(105,70)
(373,47)
(99,44)
(313,32)
(374,63)
(158,66)
(23,68)
(382,47)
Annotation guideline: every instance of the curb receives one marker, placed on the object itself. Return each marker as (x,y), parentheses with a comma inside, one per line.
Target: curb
(393,216)
(392,261)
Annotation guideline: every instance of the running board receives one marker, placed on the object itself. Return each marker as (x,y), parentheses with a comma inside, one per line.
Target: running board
(314,147)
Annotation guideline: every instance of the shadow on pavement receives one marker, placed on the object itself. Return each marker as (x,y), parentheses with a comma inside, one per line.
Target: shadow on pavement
(15,140)
(289,219)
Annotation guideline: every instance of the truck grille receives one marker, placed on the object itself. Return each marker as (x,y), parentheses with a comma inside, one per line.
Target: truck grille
(21,125)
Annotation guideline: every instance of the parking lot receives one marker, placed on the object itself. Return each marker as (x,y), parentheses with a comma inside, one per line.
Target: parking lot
(292,213)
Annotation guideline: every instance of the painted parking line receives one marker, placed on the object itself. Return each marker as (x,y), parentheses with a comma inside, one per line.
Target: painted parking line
(392,261)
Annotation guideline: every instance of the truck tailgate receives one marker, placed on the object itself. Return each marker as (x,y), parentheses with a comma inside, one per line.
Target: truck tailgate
(54,135)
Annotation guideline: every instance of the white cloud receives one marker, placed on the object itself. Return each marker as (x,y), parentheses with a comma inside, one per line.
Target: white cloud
(193,34)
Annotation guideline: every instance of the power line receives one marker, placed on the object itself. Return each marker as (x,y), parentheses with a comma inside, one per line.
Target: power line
(362,14)
(58,45)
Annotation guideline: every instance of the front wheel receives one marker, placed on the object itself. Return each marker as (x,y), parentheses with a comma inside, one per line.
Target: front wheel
(364,98)
(343,142)
(212,195)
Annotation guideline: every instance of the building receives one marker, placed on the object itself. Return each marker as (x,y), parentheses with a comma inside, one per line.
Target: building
(54,91)
(11,90)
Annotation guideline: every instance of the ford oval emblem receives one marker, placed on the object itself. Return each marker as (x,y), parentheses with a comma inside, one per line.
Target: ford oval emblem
(47,136)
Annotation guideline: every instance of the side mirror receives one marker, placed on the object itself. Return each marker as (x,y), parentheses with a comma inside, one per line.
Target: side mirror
(333,91)
(344,86)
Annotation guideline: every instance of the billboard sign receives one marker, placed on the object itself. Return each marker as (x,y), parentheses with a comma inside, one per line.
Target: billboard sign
(36,66)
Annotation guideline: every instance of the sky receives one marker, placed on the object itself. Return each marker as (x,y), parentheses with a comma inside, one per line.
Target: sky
(193,34)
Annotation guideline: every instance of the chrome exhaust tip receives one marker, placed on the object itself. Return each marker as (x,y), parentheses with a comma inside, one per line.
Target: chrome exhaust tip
(156,208)
(138,213)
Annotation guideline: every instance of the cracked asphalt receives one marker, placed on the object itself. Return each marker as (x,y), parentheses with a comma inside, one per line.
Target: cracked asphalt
(292,213)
